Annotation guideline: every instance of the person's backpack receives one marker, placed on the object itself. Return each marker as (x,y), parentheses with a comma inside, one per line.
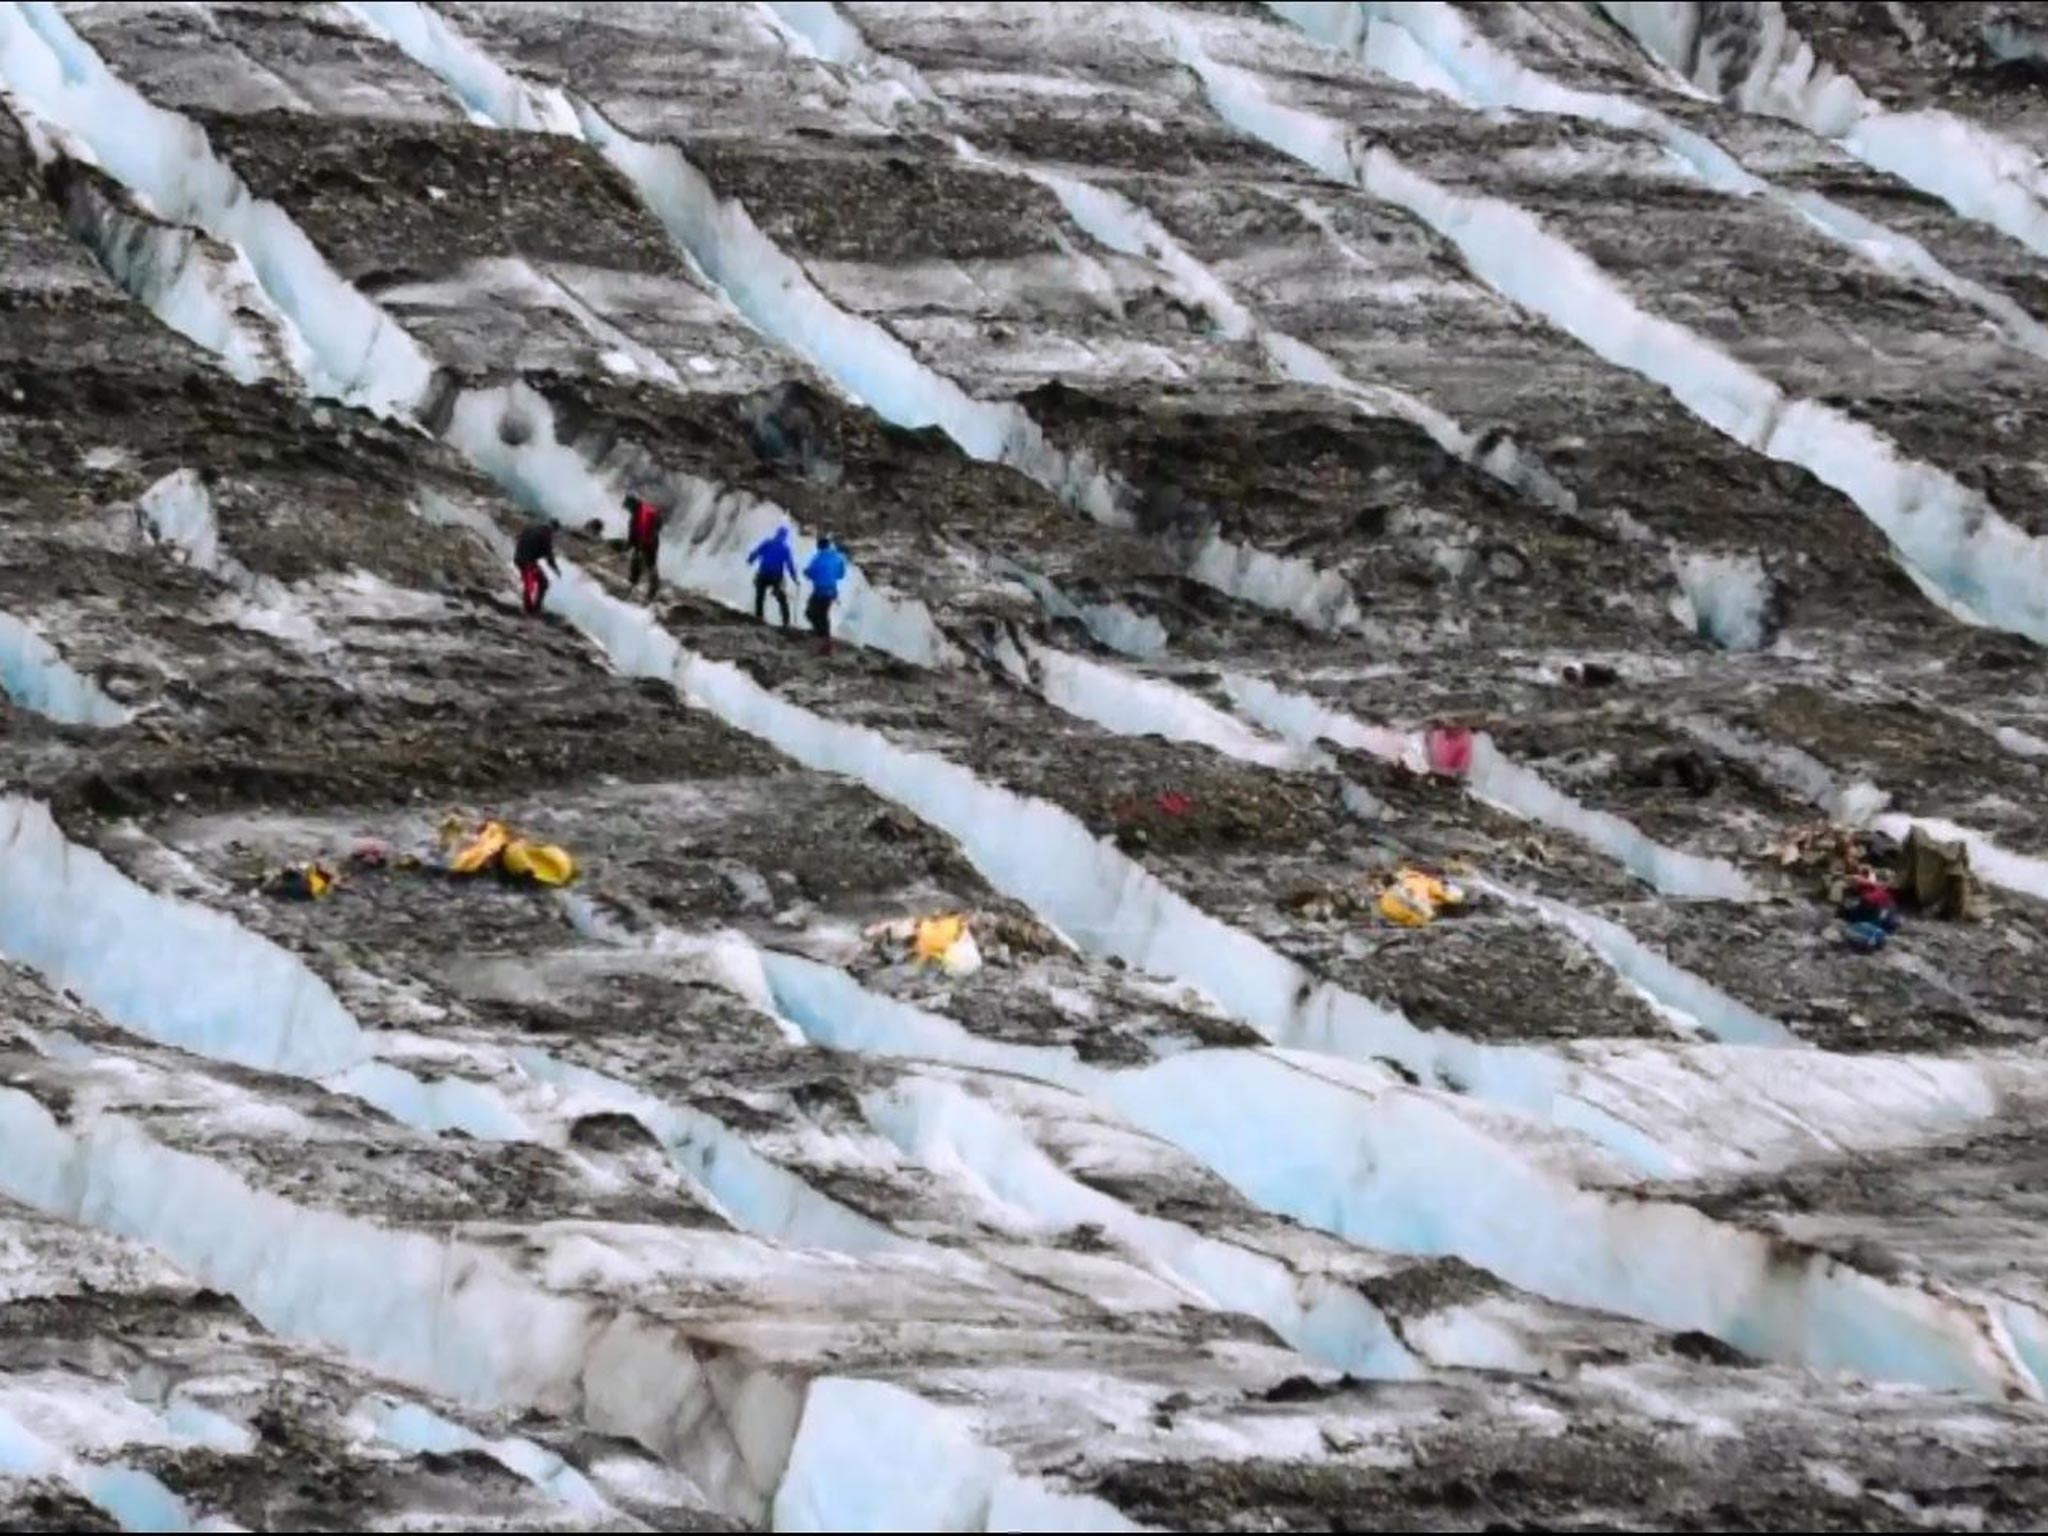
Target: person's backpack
(646,521)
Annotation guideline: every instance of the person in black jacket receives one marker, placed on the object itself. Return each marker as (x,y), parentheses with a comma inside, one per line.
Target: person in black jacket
(536,545)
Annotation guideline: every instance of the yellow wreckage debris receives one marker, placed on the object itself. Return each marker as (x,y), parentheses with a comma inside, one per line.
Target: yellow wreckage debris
(301,882)
(935,935)
(947,942)
(944,939)
(1414,899)
(493,845)
(481,851)
(544,862)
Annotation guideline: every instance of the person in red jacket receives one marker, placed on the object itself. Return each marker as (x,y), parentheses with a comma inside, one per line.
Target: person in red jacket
(644,522)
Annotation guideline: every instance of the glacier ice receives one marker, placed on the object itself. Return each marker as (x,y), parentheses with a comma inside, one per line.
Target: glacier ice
(932,1476)
(1138,706)
(1696,1005)
(1110,905)
(948,1127)
(1352,1151)
(775,295)
(486,89)
(1937,525)
(201,289)
(1056,873)
(1135,705)
(66,1429)
(413,1427)
(178,512)
(359,355)
(1724,597)
(1434,47)
(758,1194)
(192,977)
(751,1437)
(1980,174)
(382,1295)
(387,369)
(1862,803)
(180,972)
(1500,781)
(39,680)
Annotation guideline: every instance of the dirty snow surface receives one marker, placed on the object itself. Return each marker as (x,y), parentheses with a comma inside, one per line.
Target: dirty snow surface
(1211,400)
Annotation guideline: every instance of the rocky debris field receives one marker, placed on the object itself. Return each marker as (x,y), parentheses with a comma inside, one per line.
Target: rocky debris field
(1415,892)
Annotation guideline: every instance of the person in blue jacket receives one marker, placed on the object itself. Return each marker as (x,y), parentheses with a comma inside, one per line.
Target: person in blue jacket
(774,562)
(826,570)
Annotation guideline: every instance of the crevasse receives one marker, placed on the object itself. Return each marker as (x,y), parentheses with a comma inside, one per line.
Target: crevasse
(1433,47)
(760,1443)
(774,293)
(194,978)
(1353,1151)
(35,677)
(1939,527)
(1978,173)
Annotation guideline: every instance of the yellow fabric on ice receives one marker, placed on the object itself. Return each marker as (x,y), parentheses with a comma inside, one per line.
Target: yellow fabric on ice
(495,846)
(538,861)
(1415,898)
(481,850)
(935,936)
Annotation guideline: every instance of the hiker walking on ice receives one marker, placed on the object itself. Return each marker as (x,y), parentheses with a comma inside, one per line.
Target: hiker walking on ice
(826,570)
(774,562)
(536,545)
(644,522)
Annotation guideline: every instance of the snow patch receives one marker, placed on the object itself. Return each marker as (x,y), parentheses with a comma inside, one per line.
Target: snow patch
(177,510)
(2020,743)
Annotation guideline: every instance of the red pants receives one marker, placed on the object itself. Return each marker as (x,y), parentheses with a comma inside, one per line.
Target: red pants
(533,586)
